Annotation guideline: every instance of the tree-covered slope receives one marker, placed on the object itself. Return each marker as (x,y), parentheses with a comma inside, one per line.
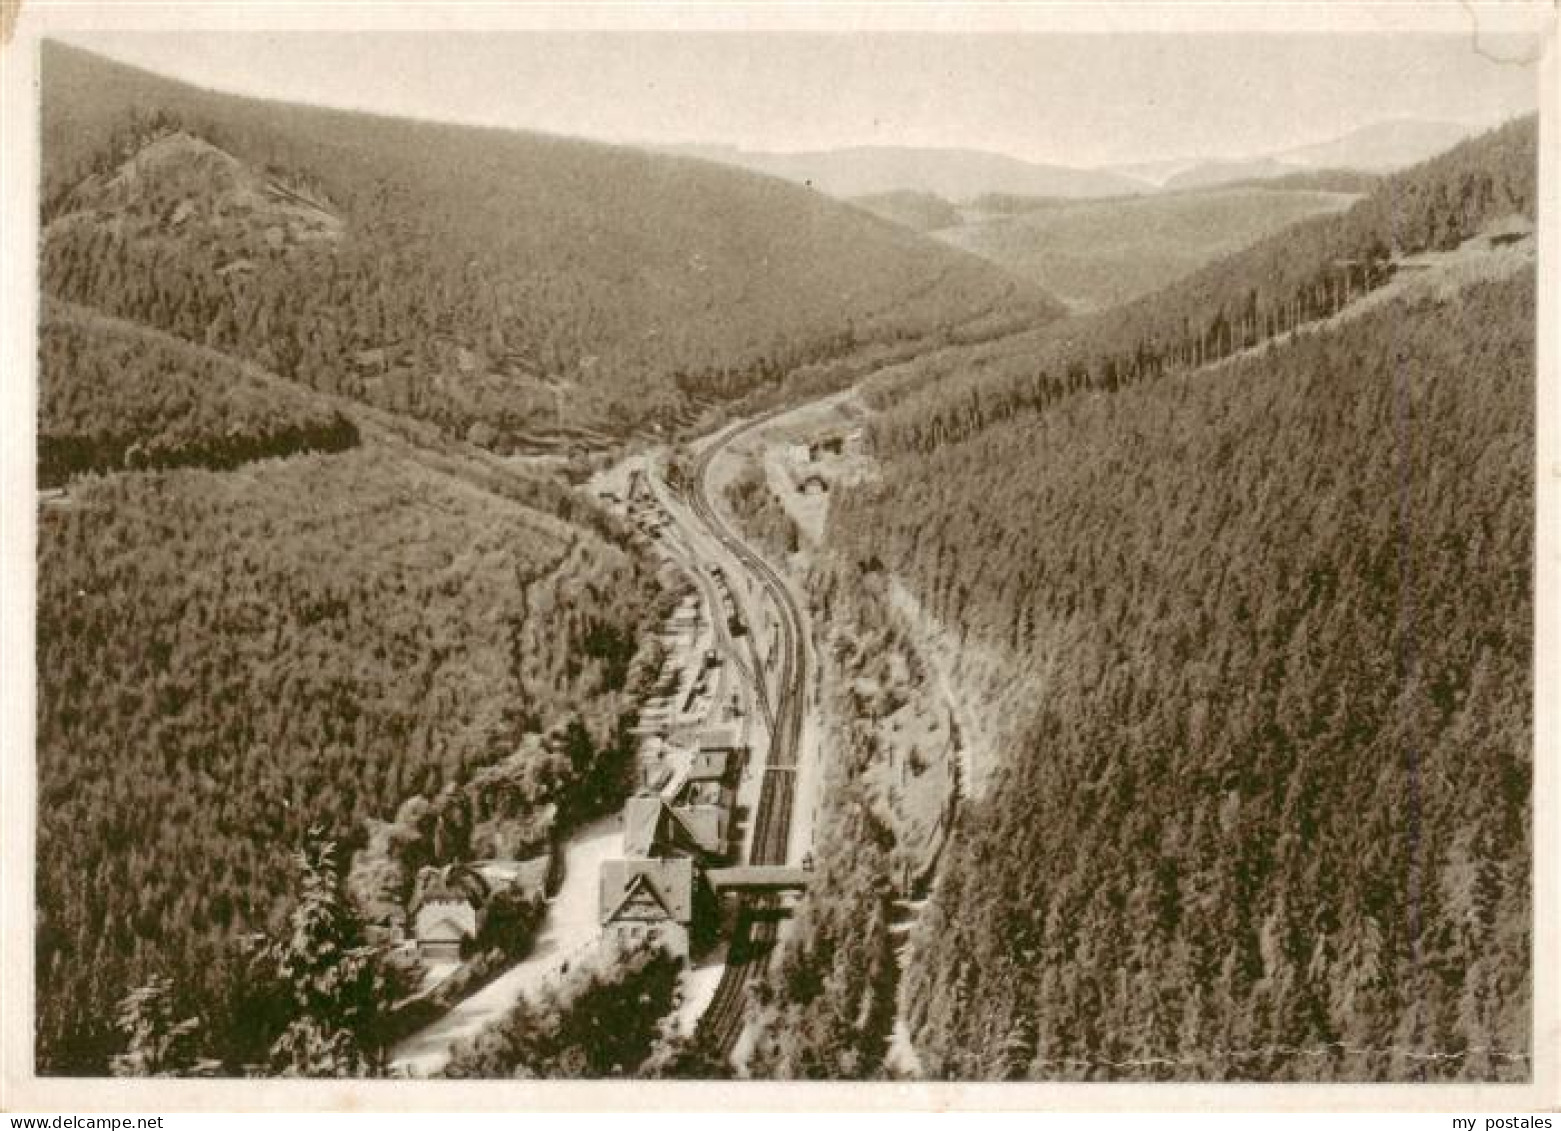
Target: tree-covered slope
(1096,254)
(1289,280)
(228,658)
(506,284)
(919,211)
(1266,812)
(113,397)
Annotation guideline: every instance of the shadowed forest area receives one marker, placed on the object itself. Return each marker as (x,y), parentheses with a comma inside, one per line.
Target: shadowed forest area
(1276,620)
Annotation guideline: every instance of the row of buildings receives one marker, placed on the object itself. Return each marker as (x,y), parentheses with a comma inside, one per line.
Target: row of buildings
(660,889)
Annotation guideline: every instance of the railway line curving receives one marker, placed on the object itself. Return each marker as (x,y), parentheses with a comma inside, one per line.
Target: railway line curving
(754,931)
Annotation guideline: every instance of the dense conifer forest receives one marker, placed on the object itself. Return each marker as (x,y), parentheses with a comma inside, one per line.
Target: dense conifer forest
(1249,637)
(1275,623)
(227,659)
(114,398)
(511,287)
(243,637)
(827,1004)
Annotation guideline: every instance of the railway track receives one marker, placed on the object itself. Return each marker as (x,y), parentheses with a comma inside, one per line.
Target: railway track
(750,669)
(754,932)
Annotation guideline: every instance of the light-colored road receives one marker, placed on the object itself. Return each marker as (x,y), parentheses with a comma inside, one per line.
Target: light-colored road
(569,931)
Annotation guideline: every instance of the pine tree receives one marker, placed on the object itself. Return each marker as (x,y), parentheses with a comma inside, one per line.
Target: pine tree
(158,1045)
(337,984)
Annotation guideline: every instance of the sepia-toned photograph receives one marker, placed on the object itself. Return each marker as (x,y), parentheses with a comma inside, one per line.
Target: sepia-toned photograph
(770,552)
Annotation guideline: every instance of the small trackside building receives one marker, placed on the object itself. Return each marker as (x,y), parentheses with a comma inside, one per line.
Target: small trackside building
(711,780)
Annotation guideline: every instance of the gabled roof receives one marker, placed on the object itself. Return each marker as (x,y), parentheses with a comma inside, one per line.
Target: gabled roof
(445,930)
(445,921)
(644,825)
(459,884)
(704,826)
(652,828)
(630,885)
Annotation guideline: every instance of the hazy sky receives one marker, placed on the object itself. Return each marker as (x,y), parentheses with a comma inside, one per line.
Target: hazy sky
(1068,99)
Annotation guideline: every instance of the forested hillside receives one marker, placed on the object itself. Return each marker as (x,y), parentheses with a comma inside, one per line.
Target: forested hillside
(112,397)
(280,592)
(1273,625)
(919,211)
(1288,281)
(1092,254)
(237,652)
(1238,574)
(515,288)
(954,174)
(228,658)
(1095,254)
(1316,180)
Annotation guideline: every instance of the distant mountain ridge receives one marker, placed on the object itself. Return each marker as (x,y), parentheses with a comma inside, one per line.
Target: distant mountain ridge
(1381,147)
(954,174)
(962,175)
(1212,174)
